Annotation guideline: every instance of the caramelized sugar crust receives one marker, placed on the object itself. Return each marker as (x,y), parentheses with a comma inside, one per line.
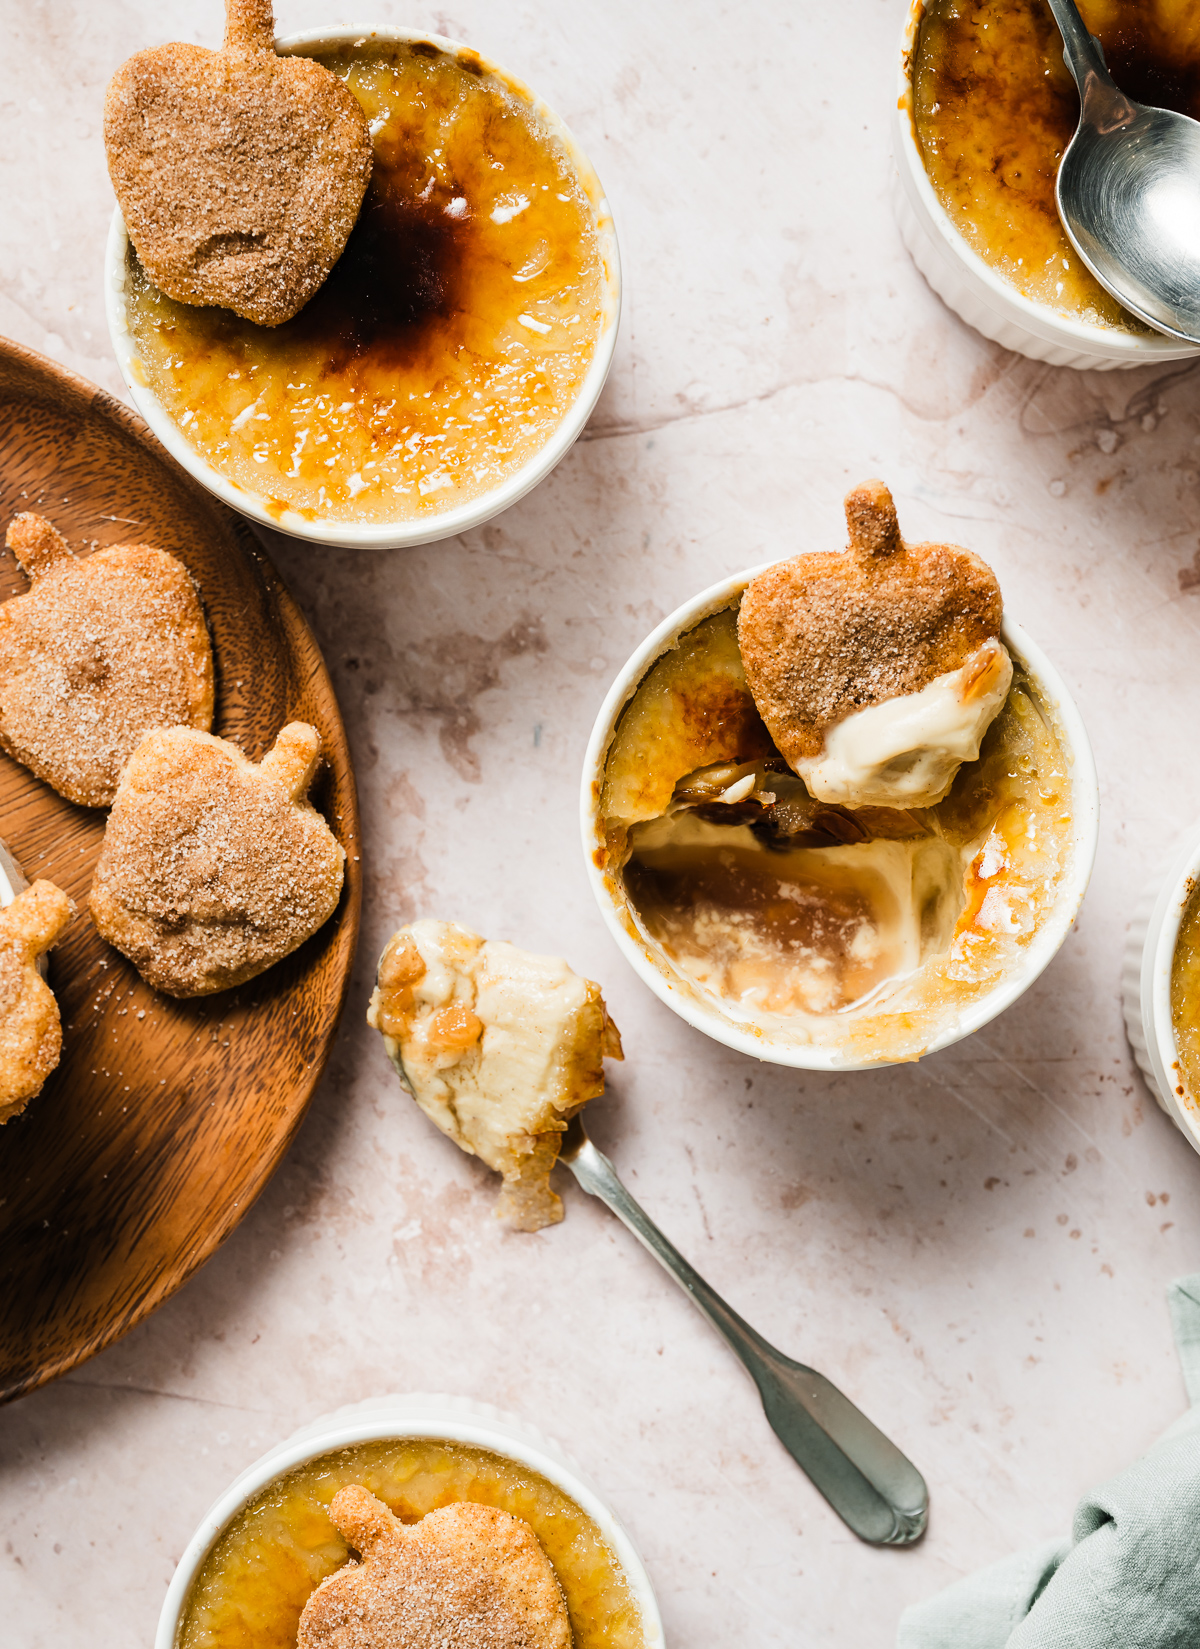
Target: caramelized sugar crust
(451,337)
(267,1562)
(102,649)
(239,174)
(30,1030)
(824,635)
(469,1575)
(995,107)
(213,868)
(1185,1001)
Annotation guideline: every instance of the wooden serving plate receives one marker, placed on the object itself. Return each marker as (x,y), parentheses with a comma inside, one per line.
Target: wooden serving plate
(165,1119)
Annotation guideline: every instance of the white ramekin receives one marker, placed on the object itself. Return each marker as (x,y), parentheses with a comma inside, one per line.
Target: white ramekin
(12,877)
(703,1012)
(1146,985)
(384,534)
(13,881)
(453,1419)
(971,287)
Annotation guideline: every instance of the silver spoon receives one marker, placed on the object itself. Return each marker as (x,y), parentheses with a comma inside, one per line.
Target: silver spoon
(868,1482)
(1128,190)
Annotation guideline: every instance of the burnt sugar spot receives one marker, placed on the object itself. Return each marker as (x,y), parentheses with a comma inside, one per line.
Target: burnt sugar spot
(1153,64)
(401,274)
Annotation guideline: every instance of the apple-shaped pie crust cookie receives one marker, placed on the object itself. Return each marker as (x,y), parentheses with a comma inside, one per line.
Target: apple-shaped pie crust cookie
(825,635)
(30,1030)
(466,1575)
(212,868)
(101,649)
(239,173)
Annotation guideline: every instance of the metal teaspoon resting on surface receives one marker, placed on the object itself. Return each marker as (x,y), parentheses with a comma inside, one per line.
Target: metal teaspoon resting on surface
(874,1488)
(499,1047)
(1128,190)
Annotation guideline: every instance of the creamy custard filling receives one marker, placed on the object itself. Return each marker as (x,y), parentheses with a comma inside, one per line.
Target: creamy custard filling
(497,1046)
(867,928)
(810,930)
(906,751)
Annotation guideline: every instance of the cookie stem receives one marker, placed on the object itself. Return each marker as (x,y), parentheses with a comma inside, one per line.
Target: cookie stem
(871,518)
(292,760)
(36,544)
(361,1519)
(249,27)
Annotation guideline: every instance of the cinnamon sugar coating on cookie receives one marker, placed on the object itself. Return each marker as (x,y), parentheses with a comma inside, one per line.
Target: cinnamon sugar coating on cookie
(30,1029)
(101,649)
(467,1575)
(824,635)
(213,868)
(240,174)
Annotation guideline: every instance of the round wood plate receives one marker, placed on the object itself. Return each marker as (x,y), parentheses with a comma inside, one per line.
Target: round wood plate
(165,1119)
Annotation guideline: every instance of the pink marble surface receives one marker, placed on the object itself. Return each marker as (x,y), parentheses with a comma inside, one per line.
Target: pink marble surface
(974,1247)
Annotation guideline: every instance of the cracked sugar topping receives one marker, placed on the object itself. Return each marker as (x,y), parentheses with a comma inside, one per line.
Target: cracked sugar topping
(449,341)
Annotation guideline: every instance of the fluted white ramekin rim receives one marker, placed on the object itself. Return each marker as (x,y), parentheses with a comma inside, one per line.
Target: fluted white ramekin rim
(1146,984)
(397,534)
(413,1415)
(703,1013)
(976,292)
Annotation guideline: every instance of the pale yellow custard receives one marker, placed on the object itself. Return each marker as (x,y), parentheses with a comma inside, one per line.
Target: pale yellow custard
(1185,998)
(450,339)
(270,1559)
(865,930)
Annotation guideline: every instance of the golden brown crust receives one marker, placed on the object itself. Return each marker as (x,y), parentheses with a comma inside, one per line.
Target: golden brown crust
(239,174)
(824,635)
(466,1574)
(30,1030)
(101,649)
(213,869)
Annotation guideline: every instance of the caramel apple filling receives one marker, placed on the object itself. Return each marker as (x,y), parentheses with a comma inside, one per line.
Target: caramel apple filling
(450,339)
(867,929)
(994,108)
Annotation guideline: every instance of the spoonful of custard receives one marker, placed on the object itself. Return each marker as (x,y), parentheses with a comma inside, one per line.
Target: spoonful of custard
(1128,190)
(239,173)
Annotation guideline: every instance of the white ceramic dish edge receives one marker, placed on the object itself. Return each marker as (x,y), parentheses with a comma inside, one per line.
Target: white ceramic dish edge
(1146,984)
(417,1414)
(1085,817)
(383,534)
(971,288)
(12,879)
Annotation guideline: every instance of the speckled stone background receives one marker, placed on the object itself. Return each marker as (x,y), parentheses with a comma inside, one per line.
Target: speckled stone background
(974,1247)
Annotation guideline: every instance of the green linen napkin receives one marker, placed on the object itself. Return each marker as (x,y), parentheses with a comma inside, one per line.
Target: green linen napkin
(1128,1577)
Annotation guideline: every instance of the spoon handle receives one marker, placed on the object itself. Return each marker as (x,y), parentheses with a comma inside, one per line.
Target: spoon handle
(1082,52)
(865,1478)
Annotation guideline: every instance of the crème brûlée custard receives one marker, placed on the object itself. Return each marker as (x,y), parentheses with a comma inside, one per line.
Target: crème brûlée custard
(263,1570)
(1185,1000)
(449,340)
(851,882)
(994,109)
(498,1046)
